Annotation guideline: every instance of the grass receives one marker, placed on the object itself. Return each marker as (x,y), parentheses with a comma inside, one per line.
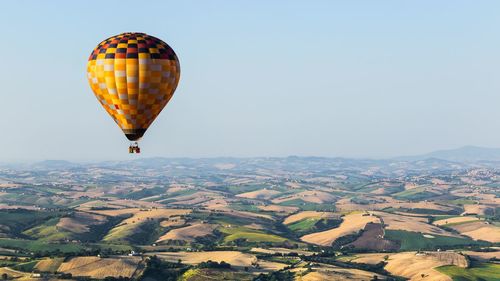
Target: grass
(169,197)
(442,217)
(285,260)
(134,233)
(303,225)
(413,194)
(244,188)
(416,241)
(202,274)
(48,231)
(39,246)
(233,220)
(249,235)
(480,272)
(458,223)
(308,206)
(26,266)
(245,207)
(462,201)
(19,220)
(143,193)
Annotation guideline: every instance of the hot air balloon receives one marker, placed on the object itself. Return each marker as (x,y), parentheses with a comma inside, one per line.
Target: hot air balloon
(133,76)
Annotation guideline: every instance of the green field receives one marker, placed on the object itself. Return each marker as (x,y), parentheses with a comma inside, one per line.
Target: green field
(39,246)
(416,241)
(25,266)
(308,206)
(303,225)
(413,194)
(111,247)
(309,225)
(250,235)
(462,201)
(202,274)
(134,233)
(243,188)
(48,231)
(246,207)
(480,272)
(19,220)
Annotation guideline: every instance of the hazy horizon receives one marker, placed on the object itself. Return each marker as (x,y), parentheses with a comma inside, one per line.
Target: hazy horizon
(357,79)
(361,158)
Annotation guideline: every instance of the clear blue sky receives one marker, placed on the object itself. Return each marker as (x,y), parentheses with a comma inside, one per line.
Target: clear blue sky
(259,78)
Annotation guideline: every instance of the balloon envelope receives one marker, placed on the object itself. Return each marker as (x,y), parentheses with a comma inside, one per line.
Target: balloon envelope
(133,75)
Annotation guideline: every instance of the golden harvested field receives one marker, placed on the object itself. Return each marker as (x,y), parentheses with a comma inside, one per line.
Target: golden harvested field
(279,209)
(483,255)
(319,197)
(415,224)
(455,220)
(488,199)
(14,273)
(243,214)
(87,206)
(255,226)
(334,273)
(475,209)
(215,204)
(49,264)
(99,268)
(264,194)
(412,265)
(351,223)
(369,258)
(309,214)
(235,258)
(479,230)
(188,233)
(9,185)
(79,222)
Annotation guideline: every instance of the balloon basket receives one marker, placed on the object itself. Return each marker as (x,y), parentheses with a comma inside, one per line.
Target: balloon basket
(134,148)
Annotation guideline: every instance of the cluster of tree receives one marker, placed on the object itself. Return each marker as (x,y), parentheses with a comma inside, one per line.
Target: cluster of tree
(214,264)
(339,243)
(327,224)
(83,252)
(276,276)
(206,243)
(119,278)
(176,242)
(157,269)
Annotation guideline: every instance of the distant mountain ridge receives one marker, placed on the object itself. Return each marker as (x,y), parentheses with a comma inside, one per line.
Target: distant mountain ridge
(468,155)
(463,154)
